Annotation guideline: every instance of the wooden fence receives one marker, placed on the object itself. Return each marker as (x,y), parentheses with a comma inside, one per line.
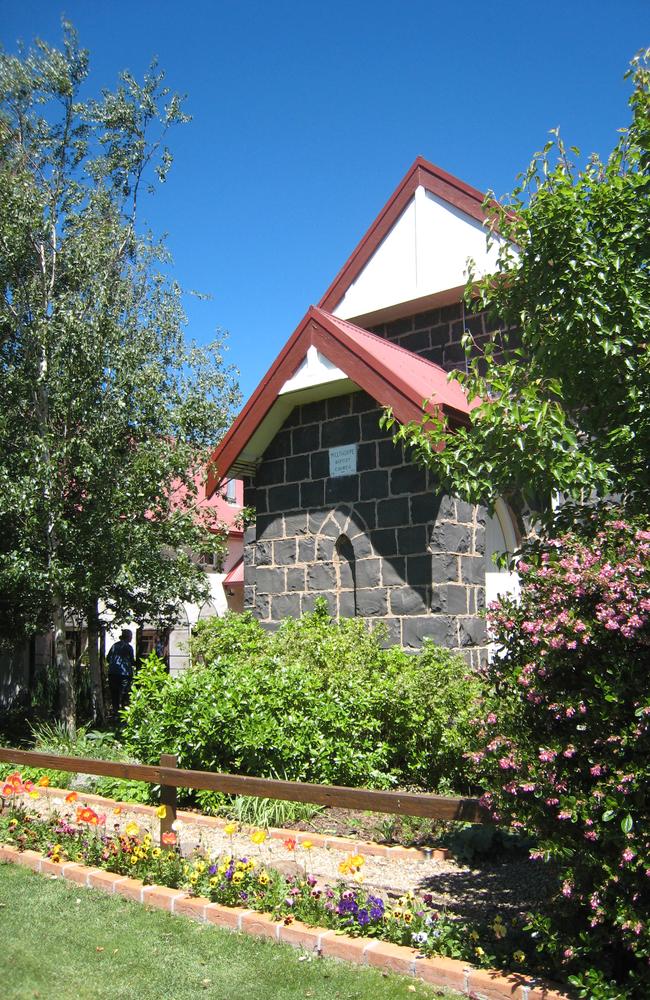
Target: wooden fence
(170,777)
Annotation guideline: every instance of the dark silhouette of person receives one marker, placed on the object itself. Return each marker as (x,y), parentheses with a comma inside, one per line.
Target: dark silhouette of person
(121,660)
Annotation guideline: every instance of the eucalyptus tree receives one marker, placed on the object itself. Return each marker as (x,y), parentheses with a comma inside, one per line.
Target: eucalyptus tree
(107,414)
(566,401)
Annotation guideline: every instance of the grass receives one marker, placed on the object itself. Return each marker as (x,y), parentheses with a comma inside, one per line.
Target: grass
(65,942)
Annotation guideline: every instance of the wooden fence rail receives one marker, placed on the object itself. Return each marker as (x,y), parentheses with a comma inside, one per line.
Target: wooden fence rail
(170,777)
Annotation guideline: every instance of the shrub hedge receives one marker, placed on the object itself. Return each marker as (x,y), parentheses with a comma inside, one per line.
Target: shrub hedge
(318,700)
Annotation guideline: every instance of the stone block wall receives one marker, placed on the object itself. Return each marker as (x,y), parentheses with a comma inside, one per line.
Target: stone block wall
(406,555)
(436,334)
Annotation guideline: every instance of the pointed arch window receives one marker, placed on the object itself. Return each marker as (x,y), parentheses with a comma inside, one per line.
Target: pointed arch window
(346,576)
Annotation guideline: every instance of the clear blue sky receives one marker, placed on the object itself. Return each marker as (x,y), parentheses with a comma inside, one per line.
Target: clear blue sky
(307,114)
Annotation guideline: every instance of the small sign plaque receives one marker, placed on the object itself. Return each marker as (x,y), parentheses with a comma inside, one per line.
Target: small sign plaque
(343,460)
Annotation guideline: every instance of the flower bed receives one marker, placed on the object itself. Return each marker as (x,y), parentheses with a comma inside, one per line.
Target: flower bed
(265,897)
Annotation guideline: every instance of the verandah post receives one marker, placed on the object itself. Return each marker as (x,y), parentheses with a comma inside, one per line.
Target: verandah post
(168,796)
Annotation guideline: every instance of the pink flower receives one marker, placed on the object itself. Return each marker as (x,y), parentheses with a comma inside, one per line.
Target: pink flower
(547,755)
(627,855)
(596,770)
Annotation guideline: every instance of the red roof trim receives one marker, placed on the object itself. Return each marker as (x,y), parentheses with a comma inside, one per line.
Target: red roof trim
(377,365)
(236,574)
(452,190)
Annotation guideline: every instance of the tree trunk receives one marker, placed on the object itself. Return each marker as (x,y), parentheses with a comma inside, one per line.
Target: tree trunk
(65,671)
(95,665)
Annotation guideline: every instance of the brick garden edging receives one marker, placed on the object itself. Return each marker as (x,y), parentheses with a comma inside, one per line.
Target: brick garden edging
(479,984)
(344,844)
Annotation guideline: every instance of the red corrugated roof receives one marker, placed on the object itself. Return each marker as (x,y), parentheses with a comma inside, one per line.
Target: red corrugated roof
(390,374)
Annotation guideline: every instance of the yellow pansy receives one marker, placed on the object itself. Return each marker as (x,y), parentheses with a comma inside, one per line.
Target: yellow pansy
(133,859)
(194,878)
(263,878)
(156,852)
(237,878)
(519,956)
(214,881)
(132,829)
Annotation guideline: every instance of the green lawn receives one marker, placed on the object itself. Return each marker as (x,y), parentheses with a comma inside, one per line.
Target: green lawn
(62,942)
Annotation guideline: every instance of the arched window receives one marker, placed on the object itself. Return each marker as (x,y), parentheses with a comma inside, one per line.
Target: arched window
(346,577)
(500,539)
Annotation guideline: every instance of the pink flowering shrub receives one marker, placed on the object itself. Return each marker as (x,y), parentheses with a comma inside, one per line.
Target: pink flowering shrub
(564,745)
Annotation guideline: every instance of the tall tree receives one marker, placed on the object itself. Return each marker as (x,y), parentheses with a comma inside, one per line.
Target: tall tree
(566,400)
(107,415)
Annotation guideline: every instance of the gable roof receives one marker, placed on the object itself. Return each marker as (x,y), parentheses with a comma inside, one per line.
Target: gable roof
(461,200)
(390,374)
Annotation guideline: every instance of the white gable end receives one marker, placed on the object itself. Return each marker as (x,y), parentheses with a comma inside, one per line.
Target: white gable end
(315,369)
(424,253)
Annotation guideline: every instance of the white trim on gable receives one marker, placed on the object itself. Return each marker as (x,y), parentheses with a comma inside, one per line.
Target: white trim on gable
(425,253)
(314,370)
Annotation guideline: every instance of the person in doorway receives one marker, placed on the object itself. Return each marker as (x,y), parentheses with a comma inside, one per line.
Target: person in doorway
(121,660)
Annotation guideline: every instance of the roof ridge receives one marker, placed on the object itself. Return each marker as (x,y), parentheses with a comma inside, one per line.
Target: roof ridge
(382,340)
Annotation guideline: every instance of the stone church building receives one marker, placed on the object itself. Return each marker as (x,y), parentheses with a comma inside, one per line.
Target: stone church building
(342,513)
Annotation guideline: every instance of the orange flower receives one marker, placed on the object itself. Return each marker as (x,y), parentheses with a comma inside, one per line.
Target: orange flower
(118,810)
(7,790)
(87,815)
(29,786)
(71,797)
(290,844)
(15,779)
(43,782)
(169,838)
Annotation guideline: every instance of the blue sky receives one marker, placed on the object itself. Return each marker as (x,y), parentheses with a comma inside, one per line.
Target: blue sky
(306,115)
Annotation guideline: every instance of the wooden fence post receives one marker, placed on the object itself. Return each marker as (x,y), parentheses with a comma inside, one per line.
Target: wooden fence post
(168,796)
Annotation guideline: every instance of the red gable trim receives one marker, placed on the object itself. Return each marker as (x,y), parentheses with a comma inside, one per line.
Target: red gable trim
(422,174)
(390,374)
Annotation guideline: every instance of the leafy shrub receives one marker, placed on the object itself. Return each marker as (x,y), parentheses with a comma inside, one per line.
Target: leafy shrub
(55,737)
(233,634)
(318,700)
(565,748)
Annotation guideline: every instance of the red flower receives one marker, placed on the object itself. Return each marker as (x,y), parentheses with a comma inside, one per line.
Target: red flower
(290,844)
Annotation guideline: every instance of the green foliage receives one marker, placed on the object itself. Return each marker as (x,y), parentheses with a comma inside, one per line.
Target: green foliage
(565,742)
(252,811)
(565,398)
(108,414)
(57,738)
(228,636)
(318,700)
